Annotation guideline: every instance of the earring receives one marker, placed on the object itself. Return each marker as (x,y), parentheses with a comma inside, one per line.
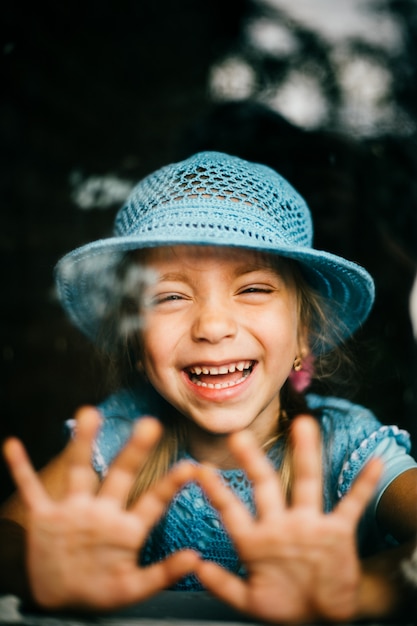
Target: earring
(302,373)
(298,364)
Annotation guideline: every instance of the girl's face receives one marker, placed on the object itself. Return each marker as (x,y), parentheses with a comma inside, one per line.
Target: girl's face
(220,336)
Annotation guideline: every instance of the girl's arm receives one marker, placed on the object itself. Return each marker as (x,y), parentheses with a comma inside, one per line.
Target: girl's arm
(385,582)
(397,509)
(80,544)
(302,565)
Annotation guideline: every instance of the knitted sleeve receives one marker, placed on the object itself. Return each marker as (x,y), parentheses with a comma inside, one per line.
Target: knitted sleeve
(388,443)
(352,435)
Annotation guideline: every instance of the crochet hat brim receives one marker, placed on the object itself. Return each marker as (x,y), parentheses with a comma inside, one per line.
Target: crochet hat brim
(85,277)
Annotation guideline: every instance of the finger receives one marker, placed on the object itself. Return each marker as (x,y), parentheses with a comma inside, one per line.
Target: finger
(152,504)
(354,503)
(166,573)
(222,584)
(307,489)
(268,494)
(124,469)
(138,584)
(236,517)
(79,478)
(27,482)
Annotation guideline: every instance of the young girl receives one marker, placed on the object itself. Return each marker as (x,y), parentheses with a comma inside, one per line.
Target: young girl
(222,312)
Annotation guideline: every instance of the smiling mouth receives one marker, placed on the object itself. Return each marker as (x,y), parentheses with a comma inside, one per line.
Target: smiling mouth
(220,376)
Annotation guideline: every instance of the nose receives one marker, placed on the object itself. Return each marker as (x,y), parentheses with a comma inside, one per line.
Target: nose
(214,322)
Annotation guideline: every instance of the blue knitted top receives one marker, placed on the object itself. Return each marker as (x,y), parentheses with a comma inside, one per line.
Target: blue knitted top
(351,435)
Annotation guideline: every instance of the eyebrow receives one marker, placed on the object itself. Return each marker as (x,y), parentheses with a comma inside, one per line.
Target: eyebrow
(170,277)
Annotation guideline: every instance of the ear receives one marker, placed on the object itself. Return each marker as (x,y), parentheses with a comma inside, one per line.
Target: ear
(303,369)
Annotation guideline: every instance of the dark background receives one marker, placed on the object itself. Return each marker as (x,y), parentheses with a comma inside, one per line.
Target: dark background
(120,88)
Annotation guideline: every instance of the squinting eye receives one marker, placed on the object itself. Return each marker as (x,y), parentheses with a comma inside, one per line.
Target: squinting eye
(170,297)
(173,296)
(257,290)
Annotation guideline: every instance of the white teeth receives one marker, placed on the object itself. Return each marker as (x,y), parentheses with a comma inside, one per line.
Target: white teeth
(199,383)
(241,366)
(222,369)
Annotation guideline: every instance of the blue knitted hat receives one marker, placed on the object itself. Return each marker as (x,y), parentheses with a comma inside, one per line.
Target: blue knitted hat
(211,199)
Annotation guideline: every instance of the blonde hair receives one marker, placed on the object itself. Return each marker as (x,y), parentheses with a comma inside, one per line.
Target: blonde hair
(324,333)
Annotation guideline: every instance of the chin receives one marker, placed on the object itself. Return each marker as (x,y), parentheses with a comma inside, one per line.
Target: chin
(221,427)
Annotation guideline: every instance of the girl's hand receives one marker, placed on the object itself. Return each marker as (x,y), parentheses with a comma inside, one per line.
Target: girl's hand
(301,564)
(82,551)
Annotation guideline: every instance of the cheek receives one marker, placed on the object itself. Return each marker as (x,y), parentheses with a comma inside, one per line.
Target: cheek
(283,339)
(282,323)
(152,348)
(158,349)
